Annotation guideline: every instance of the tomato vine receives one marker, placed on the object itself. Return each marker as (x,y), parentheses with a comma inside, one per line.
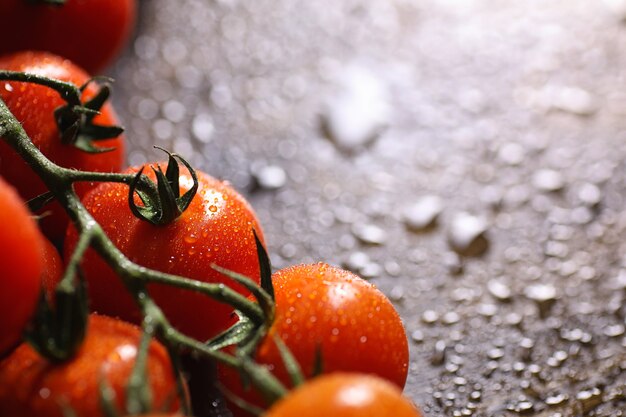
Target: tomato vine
(256,317)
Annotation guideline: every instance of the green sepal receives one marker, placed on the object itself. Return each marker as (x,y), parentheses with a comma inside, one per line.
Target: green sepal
(163,204)
(181,388)
(261,377)
(172,174)
(263,298)
(107,398)
(265,266)
(169,207)
(239,402)
(318,362)
(75,120)
(58,332)
(237,334)
(138,392)
(37,203)
(291,364)
(68,411)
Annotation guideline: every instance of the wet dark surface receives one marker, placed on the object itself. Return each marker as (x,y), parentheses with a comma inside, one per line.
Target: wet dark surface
(465,156)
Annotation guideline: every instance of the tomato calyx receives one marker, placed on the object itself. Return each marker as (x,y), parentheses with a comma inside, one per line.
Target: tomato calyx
(59,327)
(166,204)
(75,120)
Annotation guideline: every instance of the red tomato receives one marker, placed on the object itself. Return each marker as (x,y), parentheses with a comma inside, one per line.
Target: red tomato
(33,106)
(354,324)
(215,228)
(345,395)
(30,385)
(52,268)
(89,32)
(21,264)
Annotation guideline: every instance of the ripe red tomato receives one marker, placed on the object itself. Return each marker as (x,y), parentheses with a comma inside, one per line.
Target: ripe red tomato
(52,268)
(345,395)
(34,106)
(30,385)
(353,323)
(217,227)
(21,264)
(89,32)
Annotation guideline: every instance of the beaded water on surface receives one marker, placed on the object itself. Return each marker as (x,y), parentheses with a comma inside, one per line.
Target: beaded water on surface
(465,156)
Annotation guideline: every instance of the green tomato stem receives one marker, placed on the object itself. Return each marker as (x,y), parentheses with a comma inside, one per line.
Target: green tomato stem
(59,181)
(68,91)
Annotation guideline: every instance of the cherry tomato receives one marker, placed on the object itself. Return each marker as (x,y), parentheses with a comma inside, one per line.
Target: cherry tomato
(34,105)
(21,264)
(345,395)
(30,385)
(52,268)
(89,32)
(353,323)
(217,227)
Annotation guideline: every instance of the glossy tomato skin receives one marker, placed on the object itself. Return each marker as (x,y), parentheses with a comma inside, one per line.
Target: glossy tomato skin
(34,106)
(21,265)
(30,385)
(217,227)
(91,33)
(52,268)
(345,395)
(354,324)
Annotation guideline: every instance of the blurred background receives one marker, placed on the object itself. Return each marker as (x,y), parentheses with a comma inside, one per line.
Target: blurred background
(466,156)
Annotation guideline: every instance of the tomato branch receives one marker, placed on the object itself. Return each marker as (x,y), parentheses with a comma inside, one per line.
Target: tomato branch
(60,183)
(68,91)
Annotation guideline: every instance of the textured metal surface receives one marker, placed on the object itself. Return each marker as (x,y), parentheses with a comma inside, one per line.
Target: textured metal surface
(466,156)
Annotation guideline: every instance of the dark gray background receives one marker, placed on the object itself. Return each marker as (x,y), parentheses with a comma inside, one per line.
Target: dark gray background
(335,117)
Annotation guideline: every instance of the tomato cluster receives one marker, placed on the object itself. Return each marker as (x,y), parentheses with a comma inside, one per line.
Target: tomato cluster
(324,318)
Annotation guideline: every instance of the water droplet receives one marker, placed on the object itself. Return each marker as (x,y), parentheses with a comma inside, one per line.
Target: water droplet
(397,293)
(467,235)
(270,177)
(202,128)
(495,353)
(499,290)
(417,336)
(548,180)
(589,399)
(554,400)
(438,356)
(357,114)
(423,213)
(589,194)
(512,153)
(430,316)
(369,233)
(573,100)
(451,317)
(544,296)
(174,111)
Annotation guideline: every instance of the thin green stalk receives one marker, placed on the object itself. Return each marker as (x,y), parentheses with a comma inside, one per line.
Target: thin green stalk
(68,91)
(59,181)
